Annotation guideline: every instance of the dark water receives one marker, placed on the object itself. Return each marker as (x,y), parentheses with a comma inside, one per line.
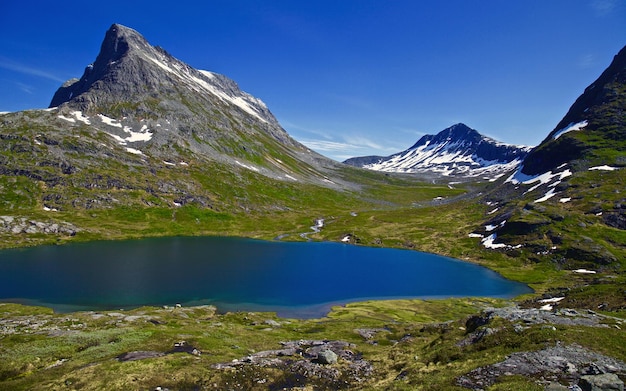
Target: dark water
(293,279)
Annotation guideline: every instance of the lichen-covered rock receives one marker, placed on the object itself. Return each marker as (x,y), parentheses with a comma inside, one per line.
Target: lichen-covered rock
(327,357)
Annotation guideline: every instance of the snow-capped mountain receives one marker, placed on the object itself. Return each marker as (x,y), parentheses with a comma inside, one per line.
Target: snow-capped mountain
(457,151)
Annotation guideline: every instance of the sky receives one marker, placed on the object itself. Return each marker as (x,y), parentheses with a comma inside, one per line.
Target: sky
(344,77)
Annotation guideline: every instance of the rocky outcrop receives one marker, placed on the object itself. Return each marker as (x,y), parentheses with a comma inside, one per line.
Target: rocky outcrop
(21,225)
(563,364)
(333,363)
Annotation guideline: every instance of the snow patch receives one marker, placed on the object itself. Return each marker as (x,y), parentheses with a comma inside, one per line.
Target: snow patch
(80,117)
(66,118)
(109,121)
(252,168)
(552,300)
(603,168)
(134,151)
(584,271)
(290,177)
(570,128)
(565,199)
(551,193)
(488,242)
(475,235)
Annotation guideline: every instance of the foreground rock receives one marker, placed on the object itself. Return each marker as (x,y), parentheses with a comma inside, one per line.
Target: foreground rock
(331,363)
(572,365)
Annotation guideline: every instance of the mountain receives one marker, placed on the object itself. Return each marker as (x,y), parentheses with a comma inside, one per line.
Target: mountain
(156,106)
(565,204)
(596,122)
(143,144)
(457,151)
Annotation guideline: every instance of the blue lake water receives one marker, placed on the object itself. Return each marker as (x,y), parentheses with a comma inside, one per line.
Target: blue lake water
(299,280)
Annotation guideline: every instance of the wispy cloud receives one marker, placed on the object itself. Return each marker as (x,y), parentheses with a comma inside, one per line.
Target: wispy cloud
(25,87)
(603,7)
(329,146)
(586,61)
(27,70)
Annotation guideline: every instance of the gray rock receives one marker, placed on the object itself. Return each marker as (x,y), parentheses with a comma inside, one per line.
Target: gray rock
(138,355)
(327,357)
(556,387)
(604,382)
(272,322)
(556,364)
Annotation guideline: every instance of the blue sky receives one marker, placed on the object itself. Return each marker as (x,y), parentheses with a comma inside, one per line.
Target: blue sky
(345,77)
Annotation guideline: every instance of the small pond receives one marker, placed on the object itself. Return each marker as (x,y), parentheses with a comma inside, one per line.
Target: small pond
(300,280)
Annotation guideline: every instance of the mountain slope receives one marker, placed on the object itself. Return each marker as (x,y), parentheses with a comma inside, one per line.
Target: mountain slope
(599,115)
(143,144)
(457,151)
(565,205)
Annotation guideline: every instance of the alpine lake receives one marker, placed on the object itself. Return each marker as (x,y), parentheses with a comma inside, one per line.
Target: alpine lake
(293,279)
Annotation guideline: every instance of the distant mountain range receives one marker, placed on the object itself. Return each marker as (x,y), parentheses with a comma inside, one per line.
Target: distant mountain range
(456,152)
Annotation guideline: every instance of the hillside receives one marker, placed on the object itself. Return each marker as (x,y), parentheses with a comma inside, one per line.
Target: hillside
(565,205)
(144,144)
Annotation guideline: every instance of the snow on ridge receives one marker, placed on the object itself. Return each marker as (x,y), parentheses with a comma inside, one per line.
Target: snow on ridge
(243,101)
(570,128)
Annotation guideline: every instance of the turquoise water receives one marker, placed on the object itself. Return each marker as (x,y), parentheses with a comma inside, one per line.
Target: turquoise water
(294,279)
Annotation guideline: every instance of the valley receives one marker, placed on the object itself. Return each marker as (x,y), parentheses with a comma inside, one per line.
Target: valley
(145,146)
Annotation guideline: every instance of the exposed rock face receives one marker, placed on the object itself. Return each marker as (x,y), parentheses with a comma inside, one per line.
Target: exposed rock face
(457,151)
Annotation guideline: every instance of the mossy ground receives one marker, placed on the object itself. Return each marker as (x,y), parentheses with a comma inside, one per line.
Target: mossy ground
(415,346)
(121,196)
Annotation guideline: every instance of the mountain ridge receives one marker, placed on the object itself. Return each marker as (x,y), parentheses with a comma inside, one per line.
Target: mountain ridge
(598,112)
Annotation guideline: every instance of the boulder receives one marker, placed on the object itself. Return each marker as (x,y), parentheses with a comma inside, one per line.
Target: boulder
(603,382)
(327,357)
